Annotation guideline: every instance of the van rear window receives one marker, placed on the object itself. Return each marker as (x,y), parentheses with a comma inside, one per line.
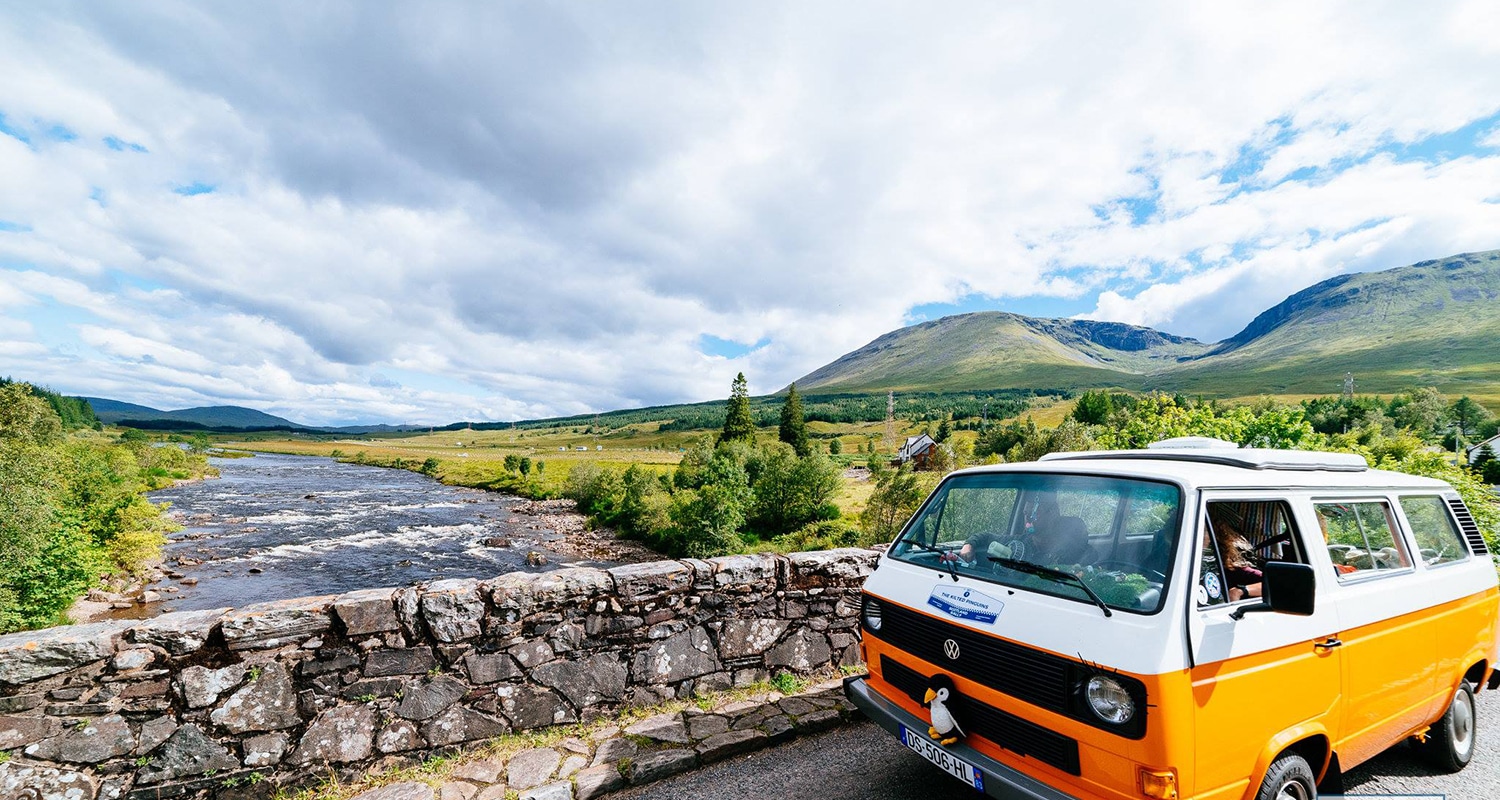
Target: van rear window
(1432,526)
(1117,535)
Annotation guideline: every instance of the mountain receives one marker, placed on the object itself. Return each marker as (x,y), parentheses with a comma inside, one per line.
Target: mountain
(113,411)
(1432,323)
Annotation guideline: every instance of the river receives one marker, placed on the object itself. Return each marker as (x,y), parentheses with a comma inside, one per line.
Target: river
(277,526)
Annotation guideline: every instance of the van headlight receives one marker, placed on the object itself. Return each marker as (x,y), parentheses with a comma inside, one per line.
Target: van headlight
(1109,700)
(872,613)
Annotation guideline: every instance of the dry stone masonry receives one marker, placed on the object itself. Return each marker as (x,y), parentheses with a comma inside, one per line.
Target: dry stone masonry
(239,702)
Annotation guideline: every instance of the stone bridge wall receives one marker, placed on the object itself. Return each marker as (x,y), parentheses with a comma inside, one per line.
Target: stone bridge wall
(190,704)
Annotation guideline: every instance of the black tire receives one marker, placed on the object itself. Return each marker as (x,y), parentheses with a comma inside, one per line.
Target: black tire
(1289,778)
(1450,742)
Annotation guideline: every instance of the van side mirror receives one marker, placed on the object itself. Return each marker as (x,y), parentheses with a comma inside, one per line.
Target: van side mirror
(1285,588)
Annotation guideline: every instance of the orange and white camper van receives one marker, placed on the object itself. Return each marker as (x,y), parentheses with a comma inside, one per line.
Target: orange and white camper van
(1189,621)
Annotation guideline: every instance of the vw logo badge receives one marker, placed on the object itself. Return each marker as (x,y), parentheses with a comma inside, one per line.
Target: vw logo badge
(950,647)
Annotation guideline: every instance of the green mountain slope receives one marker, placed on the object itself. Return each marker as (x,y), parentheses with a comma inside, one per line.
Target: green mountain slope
(1436,323)
(1433,323)
(993,348)
(112,411)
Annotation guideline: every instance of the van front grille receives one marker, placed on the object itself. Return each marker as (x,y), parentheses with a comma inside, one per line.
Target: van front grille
(1006,730)
(1032,676)
(1466,524)
(1021,672)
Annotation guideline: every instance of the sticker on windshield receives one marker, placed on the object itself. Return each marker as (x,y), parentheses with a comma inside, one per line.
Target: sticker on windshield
(961,603)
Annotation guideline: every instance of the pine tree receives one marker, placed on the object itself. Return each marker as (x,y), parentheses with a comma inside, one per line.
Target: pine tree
(945,429)
(793,425)
(738,424)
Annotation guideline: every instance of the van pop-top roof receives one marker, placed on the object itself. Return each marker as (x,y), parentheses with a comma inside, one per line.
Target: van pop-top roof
(1204,450)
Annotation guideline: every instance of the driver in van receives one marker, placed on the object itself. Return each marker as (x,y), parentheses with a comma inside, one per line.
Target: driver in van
(1051,539)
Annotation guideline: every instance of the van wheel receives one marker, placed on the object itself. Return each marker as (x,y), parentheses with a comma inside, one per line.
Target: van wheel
(1289,778)
(1450,742)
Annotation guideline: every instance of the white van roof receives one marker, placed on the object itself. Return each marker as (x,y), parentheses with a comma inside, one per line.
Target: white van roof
(1200,462)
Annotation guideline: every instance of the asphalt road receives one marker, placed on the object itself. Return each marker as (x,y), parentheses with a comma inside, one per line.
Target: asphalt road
(863,761)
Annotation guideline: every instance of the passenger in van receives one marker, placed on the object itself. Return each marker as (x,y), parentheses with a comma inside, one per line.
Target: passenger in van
(1244,579)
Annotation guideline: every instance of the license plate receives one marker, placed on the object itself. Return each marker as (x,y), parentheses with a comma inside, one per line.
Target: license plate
(918,743)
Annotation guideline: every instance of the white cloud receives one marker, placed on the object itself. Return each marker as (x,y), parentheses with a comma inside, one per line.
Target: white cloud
(539,210)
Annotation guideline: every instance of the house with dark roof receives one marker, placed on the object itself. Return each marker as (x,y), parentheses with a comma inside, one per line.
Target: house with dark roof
(917,451)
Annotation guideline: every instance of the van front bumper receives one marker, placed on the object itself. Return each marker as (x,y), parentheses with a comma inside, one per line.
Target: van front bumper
(999,780)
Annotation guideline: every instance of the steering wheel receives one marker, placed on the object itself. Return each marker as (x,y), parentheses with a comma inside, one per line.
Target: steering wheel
(1130,566)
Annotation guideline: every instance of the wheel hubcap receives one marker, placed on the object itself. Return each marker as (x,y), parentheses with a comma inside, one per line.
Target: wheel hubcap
(1293,790)
(1463,725)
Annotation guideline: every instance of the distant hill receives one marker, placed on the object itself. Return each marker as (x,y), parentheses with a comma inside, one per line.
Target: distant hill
(1433,323)
(114,412)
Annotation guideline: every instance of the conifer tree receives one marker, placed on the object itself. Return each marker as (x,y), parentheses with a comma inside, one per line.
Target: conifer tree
(738,424)
(793,425)
(945,429)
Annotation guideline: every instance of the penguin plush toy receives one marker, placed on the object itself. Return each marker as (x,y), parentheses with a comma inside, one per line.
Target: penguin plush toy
(940,699)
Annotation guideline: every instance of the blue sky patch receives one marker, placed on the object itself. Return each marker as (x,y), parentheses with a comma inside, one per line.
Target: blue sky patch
(711,345)
(7,226)
(12,131)
(195,188)
(120,145)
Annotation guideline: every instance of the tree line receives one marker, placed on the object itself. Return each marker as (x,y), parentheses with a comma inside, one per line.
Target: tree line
(71,505)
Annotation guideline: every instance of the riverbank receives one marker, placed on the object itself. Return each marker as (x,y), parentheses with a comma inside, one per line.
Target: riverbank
(276,526)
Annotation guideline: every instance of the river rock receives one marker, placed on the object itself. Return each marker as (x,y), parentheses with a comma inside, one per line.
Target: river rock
(36,782)
(586,682)
(268,703)
(181,632)
(636,583)
(187,752)
(803,651)
(367,611)
(339,734)
(453,609)
(97,740)
(676,658)
(279,622)
(202,686)
(739,638)
(421,701)
(21,731)
(461,724)
(29,655)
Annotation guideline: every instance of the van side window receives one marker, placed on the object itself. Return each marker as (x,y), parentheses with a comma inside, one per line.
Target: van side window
(1360,538)
(1438,540)
(1239,537)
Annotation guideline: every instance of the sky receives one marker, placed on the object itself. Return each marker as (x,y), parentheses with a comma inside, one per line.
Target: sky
(429,212)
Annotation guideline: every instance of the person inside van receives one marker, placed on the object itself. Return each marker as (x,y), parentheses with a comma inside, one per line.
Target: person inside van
(1243,577)
(1051,538)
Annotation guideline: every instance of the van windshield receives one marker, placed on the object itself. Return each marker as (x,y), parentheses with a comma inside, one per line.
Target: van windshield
(1117,535)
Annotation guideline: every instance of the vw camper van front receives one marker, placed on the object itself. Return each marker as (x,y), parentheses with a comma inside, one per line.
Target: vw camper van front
(1081,627)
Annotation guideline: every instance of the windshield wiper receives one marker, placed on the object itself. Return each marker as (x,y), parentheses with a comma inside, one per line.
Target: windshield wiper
(1052,574)
(952,568)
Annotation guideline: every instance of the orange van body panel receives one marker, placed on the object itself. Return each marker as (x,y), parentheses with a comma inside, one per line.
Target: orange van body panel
(1199,710)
